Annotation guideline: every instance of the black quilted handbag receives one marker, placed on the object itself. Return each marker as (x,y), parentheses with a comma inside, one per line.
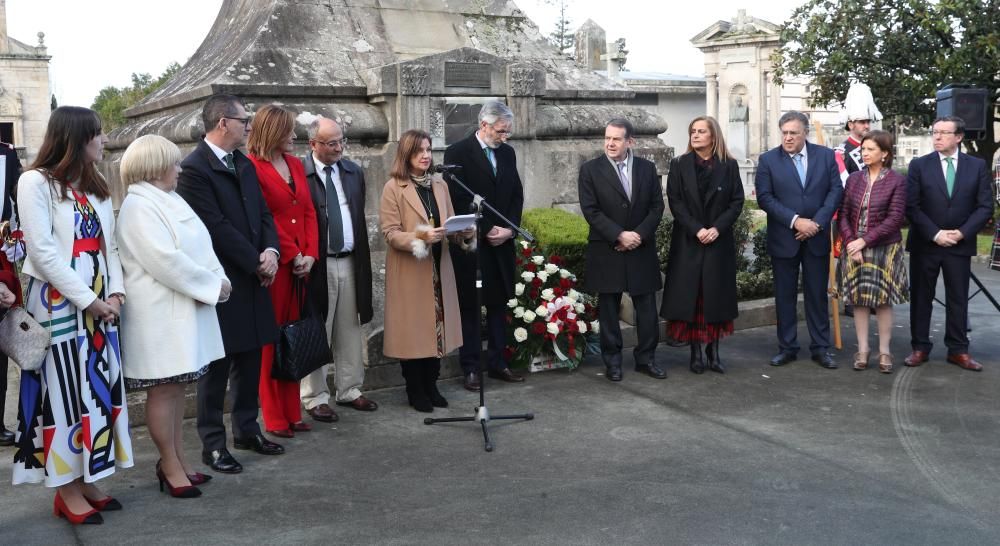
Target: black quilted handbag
(302,345)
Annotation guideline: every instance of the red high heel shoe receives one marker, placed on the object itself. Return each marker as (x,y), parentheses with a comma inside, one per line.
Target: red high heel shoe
(198,478)
(182,492)
(107,504)
(60,510)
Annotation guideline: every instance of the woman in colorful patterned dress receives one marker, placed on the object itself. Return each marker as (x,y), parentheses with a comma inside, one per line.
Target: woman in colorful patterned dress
(73,420)
(870,219)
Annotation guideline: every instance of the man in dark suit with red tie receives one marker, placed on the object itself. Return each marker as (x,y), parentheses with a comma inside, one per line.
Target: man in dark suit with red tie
(489,168)
(949,199)
(622,200)
(10,171)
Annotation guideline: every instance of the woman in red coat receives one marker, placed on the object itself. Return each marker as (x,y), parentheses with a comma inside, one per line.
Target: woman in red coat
(286,191)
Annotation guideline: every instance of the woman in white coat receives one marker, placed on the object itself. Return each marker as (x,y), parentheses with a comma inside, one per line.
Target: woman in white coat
(170,330)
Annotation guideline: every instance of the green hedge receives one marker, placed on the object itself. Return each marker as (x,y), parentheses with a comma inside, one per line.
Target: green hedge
(561,233)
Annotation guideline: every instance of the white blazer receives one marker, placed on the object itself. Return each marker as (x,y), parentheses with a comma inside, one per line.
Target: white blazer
(48,225)
(169,326)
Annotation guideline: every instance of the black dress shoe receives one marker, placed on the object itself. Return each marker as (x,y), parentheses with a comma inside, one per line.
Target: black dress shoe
(652,370)
(697,363)
(506,375)
(6,436)
(471,382)
(260,444)
(781,359)
(826,360)
(221,461)
(614,373)
(714,361)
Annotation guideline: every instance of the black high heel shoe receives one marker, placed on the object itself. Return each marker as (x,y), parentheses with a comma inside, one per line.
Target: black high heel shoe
(714,361)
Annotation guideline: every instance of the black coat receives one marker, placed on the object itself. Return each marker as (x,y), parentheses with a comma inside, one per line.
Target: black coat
(505,192)
(352,178)
(691,263)
(609,212)
(8,179)
(232,207)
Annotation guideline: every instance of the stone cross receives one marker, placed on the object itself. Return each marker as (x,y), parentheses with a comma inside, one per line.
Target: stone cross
(616,56)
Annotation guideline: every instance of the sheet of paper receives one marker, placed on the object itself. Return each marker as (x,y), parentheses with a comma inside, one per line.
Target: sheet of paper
(458,223)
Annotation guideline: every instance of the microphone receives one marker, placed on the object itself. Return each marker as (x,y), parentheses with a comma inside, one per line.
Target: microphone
(446,168)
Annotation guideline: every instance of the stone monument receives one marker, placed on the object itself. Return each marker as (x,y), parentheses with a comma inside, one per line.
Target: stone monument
(738,134)
(381,68)
(24,91)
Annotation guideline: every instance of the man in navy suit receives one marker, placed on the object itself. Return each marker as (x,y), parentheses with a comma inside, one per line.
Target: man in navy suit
(798,186)
(949,199)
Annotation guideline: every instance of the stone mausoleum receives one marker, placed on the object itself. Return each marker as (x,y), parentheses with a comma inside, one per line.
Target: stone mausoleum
(383,67)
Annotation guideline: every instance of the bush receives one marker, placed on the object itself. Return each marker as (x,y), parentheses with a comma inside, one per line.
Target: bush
(559,233)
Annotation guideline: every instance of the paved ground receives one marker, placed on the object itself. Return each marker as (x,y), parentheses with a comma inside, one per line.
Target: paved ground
(761,455)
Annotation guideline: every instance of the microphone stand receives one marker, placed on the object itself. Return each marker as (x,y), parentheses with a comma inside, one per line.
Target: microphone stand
(482,414)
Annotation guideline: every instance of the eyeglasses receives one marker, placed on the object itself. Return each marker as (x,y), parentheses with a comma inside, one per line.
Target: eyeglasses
(943,133)
(245,121)
(333,143)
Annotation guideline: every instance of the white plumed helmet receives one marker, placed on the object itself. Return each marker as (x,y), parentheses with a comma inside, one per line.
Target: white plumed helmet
(859,104)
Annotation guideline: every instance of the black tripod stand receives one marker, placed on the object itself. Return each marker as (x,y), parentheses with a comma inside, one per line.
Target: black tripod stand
(482,415)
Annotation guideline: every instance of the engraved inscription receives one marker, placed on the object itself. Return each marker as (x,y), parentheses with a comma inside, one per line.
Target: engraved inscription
(466,74)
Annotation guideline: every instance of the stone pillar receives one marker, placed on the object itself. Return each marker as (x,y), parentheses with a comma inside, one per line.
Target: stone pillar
(413,106)
(524,82)
(3,27)
(712,95)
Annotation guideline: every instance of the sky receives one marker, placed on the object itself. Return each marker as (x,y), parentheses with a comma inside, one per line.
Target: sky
(99,43)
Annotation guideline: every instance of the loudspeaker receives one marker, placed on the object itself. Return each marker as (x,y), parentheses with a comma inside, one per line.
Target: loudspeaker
(967,102)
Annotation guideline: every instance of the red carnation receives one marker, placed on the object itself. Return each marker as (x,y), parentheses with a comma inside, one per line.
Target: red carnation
(533,293)
(536,282)
(555,259)
(557,292)
(538,328)
(526,252)
(530,266)
(566,284)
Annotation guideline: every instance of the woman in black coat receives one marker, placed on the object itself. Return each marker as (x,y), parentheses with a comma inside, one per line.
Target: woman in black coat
(705,195)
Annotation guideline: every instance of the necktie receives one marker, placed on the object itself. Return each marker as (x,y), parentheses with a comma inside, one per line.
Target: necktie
(624,178)
(335,220)
(949,176)
(489,157)
(801,169)
(229,163)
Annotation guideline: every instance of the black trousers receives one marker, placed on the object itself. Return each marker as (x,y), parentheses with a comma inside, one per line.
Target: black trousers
(3,387)
(472,345)
(815,277)
(241,371)
(924,269)
(646,325)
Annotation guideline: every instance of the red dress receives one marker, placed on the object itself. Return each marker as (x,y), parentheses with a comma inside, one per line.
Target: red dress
(295,220)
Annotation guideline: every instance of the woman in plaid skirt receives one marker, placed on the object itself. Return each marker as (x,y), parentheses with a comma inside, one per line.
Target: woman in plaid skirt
(870,219)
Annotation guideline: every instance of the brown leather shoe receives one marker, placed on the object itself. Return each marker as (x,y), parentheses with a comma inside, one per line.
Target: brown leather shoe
(471,382)
(506,375)
(360,403)
(916,358)
(323,413)
(964,360)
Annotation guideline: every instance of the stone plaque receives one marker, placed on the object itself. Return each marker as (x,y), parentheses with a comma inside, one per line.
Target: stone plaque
(467,74)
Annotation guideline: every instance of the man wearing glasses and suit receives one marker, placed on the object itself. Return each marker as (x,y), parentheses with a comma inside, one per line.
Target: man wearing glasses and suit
(340,287)
(949,199)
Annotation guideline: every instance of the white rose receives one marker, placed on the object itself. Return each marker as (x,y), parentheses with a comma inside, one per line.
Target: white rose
(520,334)
(595,327)
(581,325)
(518,312)
(524,244)
(542,275)
(548,294)
(542,311)
(580,308)
(518,289)
(527,276)
(573,295)
(552,328)
(551,268)
(512,303)
(528,316)
(565,273)
(539,260)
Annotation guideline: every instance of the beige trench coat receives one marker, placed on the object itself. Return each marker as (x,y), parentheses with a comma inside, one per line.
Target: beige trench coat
(409,284)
